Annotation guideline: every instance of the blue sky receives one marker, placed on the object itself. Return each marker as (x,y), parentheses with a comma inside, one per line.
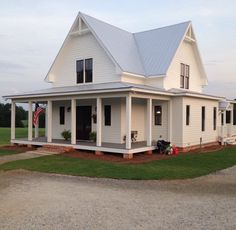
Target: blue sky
(31,33)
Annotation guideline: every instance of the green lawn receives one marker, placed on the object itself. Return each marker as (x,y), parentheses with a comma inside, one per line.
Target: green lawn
(4,152)
(5,134)
(180,167)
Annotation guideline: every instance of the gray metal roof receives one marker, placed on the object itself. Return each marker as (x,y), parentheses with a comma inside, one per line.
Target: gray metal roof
(158,47)
(147,53)
(119,43)
(86,88)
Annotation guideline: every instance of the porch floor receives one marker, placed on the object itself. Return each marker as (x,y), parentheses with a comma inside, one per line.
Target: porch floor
(139,146)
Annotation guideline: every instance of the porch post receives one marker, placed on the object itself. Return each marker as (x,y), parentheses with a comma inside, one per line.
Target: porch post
(13,120)
(128,121)
(170,120)
(73,121)
(30,123)
(99,121)
(149,122)
(49,119)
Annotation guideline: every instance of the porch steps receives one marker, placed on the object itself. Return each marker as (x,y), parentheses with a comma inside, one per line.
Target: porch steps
(230,140)
(50,149)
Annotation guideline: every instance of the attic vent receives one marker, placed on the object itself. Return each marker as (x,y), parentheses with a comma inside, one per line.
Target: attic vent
(190,35)
(79,28)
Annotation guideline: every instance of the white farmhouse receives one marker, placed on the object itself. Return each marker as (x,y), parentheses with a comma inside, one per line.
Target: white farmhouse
(121,85)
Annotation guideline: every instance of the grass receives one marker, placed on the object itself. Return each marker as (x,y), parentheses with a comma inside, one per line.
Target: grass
(5,134)
(4,152)
(180,167)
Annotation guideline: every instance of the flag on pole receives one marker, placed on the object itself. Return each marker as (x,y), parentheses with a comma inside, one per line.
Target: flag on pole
(38,110)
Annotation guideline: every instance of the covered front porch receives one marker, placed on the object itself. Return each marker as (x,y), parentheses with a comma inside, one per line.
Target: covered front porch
(131,112)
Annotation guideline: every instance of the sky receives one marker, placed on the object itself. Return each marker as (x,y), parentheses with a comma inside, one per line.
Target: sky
(32,32)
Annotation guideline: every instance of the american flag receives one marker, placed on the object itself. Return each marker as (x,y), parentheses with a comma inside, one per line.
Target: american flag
(37,112)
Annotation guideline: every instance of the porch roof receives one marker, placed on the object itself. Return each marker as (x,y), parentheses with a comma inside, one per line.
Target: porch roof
(89,89)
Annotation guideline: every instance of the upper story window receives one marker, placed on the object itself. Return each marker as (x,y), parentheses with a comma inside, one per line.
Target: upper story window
(184,76)
(84,70)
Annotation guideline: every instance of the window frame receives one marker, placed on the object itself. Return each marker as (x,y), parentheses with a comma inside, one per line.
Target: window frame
(234,114)
(157,116)
(84,71)
(184,76)
(228,117)
(203,116)
(81,81)
(62,115)
(214,118)
(107,115)
(187,115)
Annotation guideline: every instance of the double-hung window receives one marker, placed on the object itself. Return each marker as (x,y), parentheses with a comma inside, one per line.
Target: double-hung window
(84,71)
(184,76)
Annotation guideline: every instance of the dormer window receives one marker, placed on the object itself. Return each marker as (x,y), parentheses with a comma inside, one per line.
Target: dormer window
(84,70)
(184,76)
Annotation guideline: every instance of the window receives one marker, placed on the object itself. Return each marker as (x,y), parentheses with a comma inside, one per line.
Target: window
(187,114)
(228,117)
(214,118)
(203,118)
(80,71)
(234,115)
(184,76)
(222,119)
(62,115)
(107,115)
(89,70)
(84,71)
(158,115)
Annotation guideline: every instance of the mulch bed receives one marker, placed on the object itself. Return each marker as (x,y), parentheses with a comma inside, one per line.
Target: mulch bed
(138,158)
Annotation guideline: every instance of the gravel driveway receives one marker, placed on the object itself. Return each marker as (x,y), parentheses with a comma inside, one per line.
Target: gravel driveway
(31,200)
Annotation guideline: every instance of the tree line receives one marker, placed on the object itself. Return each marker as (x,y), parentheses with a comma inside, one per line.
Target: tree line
(21,116)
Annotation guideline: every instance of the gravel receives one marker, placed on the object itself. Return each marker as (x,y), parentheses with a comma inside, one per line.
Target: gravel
(31,200)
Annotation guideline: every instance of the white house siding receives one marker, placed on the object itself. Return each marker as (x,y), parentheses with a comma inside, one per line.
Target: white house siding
(56,127)
(160,131)
(85,46)
(155,82)
(138,118)
(112,134)
(185,54)
(193,133)
(134,80)
(177,121)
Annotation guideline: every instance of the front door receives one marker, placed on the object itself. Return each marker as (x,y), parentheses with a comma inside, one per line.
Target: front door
(83,122)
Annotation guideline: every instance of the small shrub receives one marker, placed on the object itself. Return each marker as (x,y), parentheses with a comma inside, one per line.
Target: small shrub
(93,136)
(66,134)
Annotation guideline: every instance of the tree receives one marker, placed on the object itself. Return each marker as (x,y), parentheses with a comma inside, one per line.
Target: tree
(5,115)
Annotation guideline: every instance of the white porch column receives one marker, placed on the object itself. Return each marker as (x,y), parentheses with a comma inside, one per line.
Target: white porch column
(30,122)
(149,122)
(99,121)
(128,121)
(170,120)
(73,121)
(49,120)
(13,120)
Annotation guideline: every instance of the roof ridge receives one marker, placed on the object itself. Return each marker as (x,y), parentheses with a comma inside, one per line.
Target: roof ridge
(80,13)
(163,27)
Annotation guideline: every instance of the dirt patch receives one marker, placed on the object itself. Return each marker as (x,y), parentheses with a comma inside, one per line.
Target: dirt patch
(18,149)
